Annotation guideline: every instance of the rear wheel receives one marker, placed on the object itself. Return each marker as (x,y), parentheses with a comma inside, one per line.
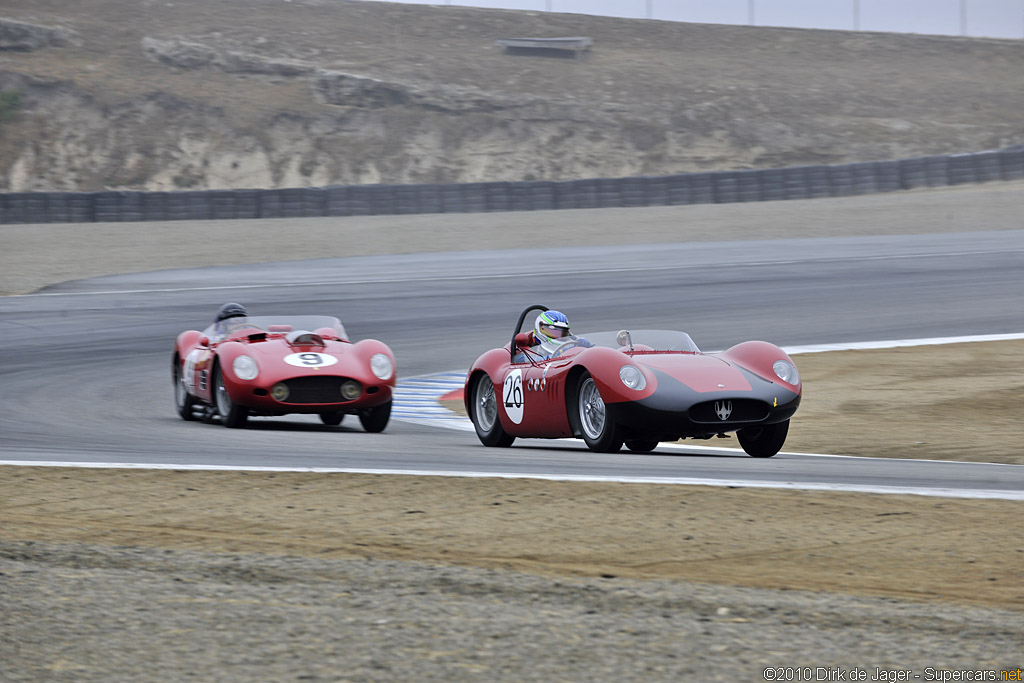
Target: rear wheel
(764,441)
(599,430)
(641,445)
(484,413)
(231,414)
(375,419)
(332,419)
(183,401)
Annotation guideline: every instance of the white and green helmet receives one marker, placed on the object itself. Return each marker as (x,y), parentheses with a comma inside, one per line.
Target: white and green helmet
(551,329)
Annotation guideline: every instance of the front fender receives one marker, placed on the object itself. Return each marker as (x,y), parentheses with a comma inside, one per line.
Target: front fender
(758,357)
(224,358)
(365,349)
(604,364)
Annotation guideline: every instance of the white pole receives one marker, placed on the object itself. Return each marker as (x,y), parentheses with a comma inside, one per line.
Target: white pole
(750,12)
(856,15)
(963,17)
(650,9)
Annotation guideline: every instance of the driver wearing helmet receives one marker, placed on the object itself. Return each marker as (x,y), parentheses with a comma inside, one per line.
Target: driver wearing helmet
(224,322)
(550,335)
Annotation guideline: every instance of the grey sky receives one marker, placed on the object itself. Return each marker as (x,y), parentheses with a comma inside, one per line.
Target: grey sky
(988,18)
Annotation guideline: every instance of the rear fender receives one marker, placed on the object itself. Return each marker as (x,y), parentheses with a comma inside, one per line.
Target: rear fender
(186,352)
(493,363)
(187,341)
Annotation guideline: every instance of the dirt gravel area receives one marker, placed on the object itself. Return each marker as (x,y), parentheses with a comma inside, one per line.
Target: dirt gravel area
(920,548)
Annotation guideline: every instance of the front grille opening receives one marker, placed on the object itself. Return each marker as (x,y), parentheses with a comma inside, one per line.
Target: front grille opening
(743,410)
(318,389)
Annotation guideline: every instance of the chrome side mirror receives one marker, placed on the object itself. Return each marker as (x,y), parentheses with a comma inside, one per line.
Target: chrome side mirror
(623,338)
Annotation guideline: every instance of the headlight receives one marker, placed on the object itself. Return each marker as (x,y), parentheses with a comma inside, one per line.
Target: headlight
(786,372)
(381,365)
(245,367)
(632,377)
(280,391)
(350,390)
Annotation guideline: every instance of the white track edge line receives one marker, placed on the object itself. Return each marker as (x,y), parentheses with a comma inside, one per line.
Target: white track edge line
(813,486)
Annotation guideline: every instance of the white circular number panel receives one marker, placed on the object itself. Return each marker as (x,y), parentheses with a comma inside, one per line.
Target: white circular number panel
(310,359)
(512,396)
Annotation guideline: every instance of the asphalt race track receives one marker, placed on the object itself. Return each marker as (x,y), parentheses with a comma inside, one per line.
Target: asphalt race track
(85,365)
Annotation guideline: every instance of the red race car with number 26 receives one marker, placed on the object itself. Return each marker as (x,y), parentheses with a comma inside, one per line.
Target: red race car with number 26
(276,365)
(637,387)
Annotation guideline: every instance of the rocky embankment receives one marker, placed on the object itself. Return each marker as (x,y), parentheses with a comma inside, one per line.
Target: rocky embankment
(255,94)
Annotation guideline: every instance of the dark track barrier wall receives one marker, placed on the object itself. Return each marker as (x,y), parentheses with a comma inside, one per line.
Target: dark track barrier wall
(718,187)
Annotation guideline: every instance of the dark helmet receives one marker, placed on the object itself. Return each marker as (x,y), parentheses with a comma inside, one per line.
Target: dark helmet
(231,311)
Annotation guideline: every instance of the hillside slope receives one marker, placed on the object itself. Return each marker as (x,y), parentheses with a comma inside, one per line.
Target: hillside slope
(193,94)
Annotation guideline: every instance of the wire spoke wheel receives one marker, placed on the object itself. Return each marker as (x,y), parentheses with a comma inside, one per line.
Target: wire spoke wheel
(592,410)
(599,430)
(484,407)
(183,401)
(231,414)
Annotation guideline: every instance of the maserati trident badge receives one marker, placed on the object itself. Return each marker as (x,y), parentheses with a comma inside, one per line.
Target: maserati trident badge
(723,409)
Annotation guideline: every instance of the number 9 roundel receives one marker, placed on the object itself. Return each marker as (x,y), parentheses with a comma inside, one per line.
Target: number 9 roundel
(310,359)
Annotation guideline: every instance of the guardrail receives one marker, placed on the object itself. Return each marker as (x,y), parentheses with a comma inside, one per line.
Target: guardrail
(798,182)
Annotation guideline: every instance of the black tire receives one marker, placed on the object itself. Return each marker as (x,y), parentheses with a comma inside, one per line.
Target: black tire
(231,414)
(483,411)
(332,419)
(183,401)
(764,441)
(641,445)
(375,419)
(596,424)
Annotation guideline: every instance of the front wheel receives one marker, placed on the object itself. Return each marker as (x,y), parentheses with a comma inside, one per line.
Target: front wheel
(484,414)
(599,429)
(375,419)
(183,401)
(332,419)
(231,414)
(764,441)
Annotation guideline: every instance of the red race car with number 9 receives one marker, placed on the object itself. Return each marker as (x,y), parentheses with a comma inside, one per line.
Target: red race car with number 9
(636,387)
(276,365)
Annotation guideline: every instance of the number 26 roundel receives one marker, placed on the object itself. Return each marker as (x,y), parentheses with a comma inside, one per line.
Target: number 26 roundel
(512,396)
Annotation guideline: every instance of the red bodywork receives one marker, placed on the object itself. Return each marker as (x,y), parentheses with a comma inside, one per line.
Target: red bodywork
(312,364)
(682,390)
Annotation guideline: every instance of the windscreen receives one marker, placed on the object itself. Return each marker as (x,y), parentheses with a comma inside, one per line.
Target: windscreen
(645,340)
(274,324)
